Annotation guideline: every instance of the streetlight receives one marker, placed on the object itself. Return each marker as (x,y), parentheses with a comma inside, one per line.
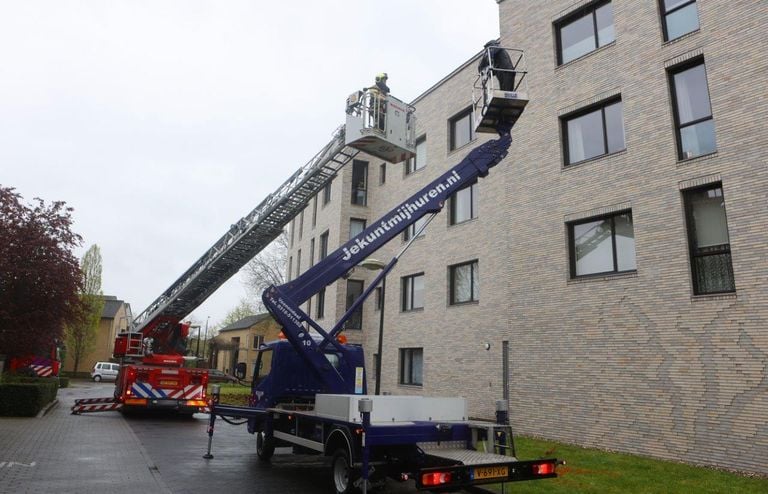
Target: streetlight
(205,344)
(375,265)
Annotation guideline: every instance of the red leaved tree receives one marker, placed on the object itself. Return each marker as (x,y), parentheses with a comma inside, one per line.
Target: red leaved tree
(39,276)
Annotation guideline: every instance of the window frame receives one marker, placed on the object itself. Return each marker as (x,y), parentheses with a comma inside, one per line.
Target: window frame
(349,303)
(588,10)
(588,110)
(614,250)
(690,228)
(408,354)
(410,163)
(407,292)
(474,291)
(364,189)
(365,225)
(327,192)
(323,251)
(382,173)
(410,230)
(671,73)
(473,192)
(666,13)
(467,112)
(320,305)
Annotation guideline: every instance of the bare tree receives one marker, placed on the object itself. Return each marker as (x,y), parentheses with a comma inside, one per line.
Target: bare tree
(266,269)
(243,309)
(81,337)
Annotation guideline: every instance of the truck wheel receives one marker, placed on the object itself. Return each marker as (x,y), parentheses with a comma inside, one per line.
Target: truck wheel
(265,446)
(343,476)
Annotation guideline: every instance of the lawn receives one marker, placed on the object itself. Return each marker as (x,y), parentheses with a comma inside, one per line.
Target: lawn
(591,470)
(233,394)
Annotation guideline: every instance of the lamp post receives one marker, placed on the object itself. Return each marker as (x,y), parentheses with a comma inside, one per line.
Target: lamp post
(374,265)
(205,341)
(197,350)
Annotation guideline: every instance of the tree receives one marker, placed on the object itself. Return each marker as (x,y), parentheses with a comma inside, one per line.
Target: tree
(243,309)
(81,337)
(39,276)
(266,269)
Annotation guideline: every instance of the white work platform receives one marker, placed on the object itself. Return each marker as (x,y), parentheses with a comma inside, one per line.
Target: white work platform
(391,409)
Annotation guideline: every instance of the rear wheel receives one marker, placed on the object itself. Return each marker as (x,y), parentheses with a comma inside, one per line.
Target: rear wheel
(97,378)
(265,446)
(342,474)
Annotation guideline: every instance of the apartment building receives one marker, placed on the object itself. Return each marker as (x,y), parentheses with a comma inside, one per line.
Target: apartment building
(608,278)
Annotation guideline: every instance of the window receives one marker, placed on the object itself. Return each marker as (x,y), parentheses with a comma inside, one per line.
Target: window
(311,252)
(710,247)
(411,366)
(465,283)
(413,292)
(290,267)
(585,31)
(594,132)
(327,193)
(301,224)
(679,17)
(298,263)
(462,131)
(420,160)
(323,246)
(258,340)
(410,232)
(463,204)
(359,182)
(354,290)
(314,211)
(320,304)
(602,245)
(356,226)
(693,114)
(382,174)
(293,229)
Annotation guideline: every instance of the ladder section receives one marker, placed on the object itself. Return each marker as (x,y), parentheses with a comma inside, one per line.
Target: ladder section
(249,235)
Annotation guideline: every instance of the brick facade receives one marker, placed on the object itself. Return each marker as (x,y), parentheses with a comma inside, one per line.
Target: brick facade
(631,361)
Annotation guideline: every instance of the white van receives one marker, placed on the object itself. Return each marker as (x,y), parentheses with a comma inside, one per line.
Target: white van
(104,371)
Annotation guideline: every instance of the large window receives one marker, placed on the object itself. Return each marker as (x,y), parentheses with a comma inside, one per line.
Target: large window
(327,193)
(311,252)
(411,366)
(354,290)
(420,160)
(323,246)
(463,204)
(462,131)
(359,182)
(301,224)
(679,17)
(602,245)
(356,226)
(465,283)
(594,132)
(710,246)
(411,231)
(585,31)
(693,113)
(413,292)
(298,263)
(320,304)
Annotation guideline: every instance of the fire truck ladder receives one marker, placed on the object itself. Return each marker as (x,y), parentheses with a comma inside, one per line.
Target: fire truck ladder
(249,235)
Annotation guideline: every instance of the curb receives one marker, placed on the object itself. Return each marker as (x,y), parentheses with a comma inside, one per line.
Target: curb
(50,406)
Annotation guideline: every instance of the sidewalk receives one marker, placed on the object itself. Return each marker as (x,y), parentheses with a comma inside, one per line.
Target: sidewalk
(65,453)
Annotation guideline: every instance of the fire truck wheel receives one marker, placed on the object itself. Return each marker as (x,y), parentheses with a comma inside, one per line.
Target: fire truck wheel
(343,475)
(265,446)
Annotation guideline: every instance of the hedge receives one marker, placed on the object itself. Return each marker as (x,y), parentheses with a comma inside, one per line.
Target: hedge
(26,399)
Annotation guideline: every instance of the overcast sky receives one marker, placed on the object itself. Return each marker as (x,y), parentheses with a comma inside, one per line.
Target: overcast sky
(163,122)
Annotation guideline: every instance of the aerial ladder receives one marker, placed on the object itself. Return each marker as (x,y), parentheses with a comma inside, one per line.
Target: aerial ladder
(151,352)
(309,387)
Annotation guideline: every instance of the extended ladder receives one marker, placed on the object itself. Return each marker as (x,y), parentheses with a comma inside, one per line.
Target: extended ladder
(249,235)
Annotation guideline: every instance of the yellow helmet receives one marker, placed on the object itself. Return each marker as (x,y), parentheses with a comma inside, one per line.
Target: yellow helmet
(382,76)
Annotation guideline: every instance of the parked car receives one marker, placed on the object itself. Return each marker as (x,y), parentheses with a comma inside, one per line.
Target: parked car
(104,371)
(217,376)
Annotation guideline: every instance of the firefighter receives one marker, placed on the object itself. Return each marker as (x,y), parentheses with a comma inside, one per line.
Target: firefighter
(378,101)
(495,58)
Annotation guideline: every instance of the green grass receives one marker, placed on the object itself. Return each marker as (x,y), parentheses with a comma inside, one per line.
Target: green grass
(232,389)
(592,470)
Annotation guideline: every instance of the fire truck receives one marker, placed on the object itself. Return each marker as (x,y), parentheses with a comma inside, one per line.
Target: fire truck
(309,390)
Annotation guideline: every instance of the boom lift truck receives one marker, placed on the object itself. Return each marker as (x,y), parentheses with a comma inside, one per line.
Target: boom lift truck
(314,396)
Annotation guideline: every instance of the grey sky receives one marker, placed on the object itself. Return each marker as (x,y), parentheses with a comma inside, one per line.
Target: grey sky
(164,122)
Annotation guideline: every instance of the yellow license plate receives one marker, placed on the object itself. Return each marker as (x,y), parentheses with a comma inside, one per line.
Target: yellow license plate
(169,383)
(490,472)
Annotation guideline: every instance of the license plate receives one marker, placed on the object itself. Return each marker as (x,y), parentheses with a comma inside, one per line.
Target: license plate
(490,472)
(169,383)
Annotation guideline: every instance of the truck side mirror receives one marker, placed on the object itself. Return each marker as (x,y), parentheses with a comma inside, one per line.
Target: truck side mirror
(240,370)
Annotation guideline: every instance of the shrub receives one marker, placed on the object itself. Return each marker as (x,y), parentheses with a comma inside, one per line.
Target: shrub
(26,399)
(63,382)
